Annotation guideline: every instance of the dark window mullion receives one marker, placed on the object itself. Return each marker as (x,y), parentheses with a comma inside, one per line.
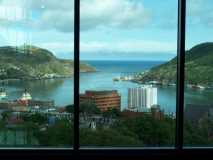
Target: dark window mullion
(76,72)
(180,73)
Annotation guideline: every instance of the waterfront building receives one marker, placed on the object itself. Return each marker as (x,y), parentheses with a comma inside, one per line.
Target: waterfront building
(3,94)
(104,100)
(25,98)
(142,98)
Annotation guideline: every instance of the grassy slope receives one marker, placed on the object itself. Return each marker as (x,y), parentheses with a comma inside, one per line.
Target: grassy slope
(198,67)
(34,62)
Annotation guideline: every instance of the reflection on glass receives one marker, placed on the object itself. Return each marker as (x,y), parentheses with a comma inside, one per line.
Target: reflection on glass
(130,97)
(36,73)
(198,116)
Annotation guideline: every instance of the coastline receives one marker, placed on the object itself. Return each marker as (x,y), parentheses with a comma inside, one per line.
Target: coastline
(158,83)
(42,78)
(61,91)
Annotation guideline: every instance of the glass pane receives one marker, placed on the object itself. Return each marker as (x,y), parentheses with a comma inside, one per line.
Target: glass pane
(36,84)
(198,74)
(128,93)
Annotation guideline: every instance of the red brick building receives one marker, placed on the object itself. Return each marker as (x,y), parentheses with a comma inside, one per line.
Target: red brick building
(104,100)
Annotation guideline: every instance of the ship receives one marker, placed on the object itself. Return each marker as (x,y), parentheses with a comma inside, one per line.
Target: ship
(26,96)
(3,94)
(116,79)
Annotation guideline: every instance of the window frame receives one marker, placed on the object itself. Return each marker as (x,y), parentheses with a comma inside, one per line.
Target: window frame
(67,153)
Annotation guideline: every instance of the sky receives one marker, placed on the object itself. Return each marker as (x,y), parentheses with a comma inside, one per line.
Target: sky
(110,29)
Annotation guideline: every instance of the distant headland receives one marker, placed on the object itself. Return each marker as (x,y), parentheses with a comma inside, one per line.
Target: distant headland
(31,62)
(198,69)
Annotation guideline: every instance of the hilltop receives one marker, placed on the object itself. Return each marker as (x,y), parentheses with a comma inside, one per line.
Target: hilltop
(31,62)
(198,68)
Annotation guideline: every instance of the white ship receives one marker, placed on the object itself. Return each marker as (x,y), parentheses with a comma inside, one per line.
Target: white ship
(26,96)
(3,93)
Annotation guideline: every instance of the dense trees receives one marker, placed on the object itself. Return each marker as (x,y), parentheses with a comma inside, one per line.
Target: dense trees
(111,113)
(89,108)
(60,134)
(5,115)
(151,131)
(199,133)
(69,108)
(107,137)
(142,131)
(35,118)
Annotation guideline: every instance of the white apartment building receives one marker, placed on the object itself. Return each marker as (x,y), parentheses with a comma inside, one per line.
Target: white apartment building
(142,98)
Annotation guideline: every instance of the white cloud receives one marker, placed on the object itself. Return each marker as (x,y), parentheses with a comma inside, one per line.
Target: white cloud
(12,37)
(200,12)
(54,15)
(52,19)
(57,47)
(11,13)
(37,14)
(194,7)
(113,13)
(128,46)
(50,14)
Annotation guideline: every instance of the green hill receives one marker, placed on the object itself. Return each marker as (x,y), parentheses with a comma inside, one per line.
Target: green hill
(198,68)
(32,62)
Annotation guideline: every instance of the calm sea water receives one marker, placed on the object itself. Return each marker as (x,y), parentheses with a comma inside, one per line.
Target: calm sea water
(61,90)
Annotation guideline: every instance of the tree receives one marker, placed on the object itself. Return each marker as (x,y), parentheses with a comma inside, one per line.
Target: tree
(106,137)
(151,131)
(30,129)
(6,115)
(111,113)
(60,134)
(36,118)
(194,135)
(70,108)
(89,108)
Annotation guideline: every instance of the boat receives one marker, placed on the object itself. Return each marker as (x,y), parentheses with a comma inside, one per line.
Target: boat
(116,79)
(26,96)
(3,93)
(154,83)
(200,87)
(196,86)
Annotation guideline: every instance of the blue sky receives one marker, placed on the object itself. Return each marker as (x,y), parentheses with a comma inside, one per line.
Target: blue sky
(110,29)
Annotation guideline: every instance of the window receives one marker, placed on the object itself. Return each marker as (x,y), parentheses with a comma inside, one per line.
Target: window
(198,74)
(129,98)
(36,73)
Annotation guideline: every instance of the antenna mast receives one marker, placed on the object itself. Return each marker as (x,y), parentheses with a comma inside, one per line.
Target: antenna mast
(16,34)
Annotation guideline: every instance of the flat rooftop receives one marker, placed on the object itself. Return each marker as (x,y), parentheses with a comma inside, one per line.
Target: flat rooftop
(100,92)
